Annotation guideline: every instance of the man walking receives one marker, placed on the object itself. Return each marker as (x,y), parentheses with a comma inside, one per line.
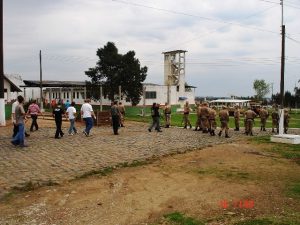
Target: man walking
(167,113)
(237,118)
(71,112)
(155,118)
(275,120)
(115,116)
(20,118)
(57,113)
(186,113)
(34,111)
(122,113)
(263,114)
(249,119)
(87,114)
(224,119)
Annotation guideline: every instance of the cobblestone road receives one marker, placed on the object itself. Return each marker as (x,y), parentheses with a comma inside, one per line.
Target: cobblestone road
(57,160)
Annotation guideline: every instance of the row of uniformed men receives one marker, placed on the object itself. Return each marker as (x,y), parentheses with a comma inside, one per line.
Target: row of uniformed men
(206,119)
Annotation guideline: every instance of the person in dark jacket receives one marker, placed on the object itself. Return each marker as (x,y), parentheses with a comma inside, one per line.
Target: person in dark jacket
(57,113)
(155,118)
(115,116)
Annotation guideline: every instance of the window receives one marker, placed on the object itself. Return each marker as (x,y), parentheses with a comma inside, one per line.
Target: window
(68,95)
(53,95)
(150,94)
(73,94)
(64,95)
(77,94)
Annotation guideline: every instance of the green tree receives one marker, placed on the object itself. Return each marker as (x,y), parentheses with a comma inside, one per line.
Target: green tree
(113,70)
(261,88)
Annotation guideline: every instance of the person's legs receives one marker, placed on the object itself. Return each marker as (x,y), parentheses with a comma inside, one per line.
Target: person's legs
(20,136)
(15,130)
(115,120)
(89,124)
(71,126)
(57,129)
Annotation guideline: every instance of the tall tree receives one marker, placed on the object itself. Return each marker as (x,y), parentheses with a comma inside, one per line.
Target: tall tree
(113,70)
(261,88)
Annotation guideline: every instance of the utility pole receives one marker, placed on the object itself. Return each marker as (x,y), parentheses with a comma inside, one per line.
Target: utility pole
(2,101)
(41,82)
(281,110)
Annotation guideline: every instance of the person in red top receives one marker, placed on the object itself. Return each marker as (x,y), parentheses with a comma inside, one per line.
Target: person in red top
(34,111)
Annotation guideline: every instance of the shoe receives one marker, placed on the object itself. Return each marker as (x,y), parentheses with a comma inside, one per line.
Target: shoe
(220,133)
(116,133)
(23,146)
(27,135)
(70,134)
(85,133)
(184,127)
(195,129)
(57,137)
(226,136)
(159,130)
(149,130)
(15,144)
(191,127)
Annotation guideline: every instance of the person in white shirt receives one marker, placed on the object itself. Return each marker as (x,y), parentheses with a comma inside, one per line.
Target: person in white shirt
(87,113)
(71,112)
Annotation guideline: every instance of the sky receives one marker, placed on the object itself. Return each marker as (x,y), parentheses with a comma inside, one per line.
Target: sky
(229,43)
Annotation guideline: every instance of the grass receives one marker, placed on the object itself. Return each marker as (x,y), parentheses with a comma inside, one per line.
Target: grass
(180,219)
(293,190)
(268,221)
(287,151)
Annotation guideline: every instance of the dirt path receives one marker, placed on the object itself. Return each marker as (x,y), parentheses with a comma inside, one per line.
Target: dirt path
(207,185)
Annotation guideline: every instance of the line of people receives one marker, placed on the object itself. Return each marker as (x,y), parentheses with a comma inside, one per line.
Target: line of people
(206,118)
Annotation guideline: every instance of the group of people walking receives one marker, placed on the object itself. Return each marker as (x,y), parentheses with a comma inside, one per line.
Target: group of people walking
(59,110)
(207,117)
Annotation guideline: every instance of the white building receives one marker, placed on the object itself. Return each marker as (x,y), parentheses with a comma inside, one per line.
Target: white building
(11,89)
(174,90)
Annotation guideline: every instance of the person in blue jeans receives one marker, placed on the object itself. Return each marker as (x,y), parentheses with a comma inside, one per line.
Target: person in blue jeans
(20,116)
(71,112)
(87,114)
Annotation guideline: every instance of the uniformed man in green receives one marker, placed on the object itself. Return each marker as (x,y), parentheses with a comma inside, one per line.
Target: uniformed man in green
(249,119)
(167,114)
(204,114)
(286,120)
(186,113)
(263,114)
(224,119)
(212,120)
(275,119)
(237,118)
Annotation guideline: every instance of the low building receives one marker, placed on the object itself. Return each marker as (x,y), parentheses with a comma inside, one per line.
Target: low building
(11,89)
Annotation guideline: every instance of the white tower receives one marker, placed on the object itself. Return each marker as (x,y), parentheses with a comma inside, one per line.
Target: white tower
(174,66)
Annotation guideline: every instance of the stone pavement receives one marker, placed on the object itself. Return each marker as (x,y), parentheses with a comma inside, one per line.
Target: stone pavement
(48,160)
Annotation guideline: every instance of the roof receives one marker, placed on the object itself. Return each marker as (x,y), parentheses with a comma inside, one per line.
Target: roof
(51,83)
(230,101)
(175,51)
(13,87)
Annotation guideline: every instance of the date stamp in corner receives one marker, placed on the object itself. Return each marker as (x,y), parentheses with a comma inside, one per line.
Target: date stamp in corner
(237,204)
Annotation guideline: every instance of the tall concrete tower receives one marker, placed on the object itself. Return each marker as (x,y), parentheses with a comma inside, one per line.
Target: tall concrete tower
(174,66)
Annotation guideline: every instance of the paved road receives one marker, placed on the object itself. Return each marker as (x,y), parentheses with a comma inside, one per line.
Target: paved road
(57,160)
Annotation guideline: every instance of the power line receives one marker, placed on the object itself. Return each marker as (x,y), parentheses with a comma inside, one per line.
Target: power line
(215,30)
(196,16)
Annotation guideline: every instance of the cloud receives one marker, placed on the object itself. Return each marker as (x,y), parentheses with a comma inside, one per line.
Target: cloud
(218,35)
